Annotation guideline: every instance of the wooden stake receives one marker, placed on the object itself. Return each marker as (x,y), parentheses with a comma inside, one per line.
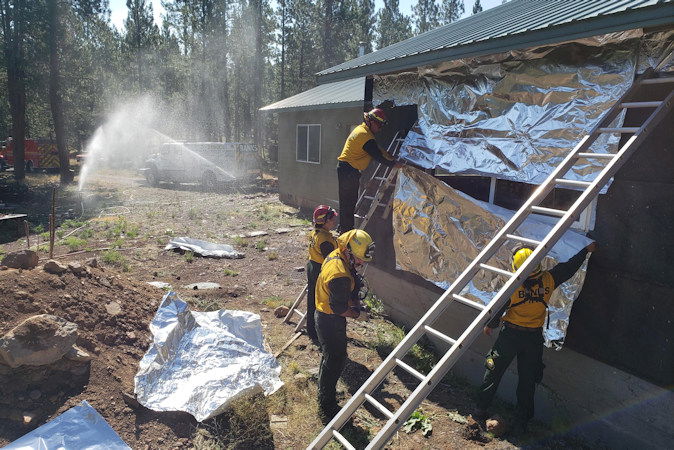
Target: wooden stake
(25,229)
(52,223)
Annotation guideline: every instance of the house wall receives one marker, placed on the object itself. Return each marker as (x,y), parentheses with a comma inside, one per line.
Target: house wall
(305,184)
(625,313)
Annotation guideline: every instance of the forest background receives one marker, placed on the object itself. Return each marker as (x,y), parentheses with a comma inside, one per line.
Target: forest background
(209,66)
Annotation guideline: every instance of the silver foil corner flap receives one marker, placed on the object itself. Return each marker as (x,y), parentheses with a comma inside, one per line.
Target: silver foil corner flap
(438,231)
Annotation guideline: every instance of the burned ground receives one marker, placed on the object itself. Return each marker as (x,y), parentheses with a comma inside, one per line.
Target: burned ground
(125,225)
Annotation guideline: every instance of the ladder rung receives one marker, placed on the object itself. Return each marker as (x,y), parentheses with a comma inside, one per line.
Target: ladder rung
(658,80)
(573,183)
(342,440)
(368,197)
(410,369)
(380,178)
(596,155)
(524,240)
(301,314)
(548,211)
(468,302)
(619,130)
(496,269)
(640,104)
(379,406)
(439,335)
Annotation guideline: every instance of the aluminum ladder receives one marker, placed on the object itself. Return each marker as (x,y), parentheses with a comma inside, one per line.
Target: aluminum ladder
(377,187)
(457,346)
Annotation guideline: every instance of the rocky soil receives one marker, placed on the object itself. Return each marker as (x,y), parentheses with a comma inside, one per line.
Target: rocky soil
(125,225)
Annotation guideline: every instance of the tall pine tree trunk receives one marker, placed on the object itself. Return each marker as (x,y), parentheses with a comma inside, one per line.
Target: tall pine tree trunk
(12,27)
(55,91)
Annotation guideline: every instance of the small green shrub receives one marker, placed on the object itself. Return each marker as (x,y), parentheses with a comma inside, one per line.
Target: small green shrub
(261,245)
(230,273)
(418,421)
(70,223)
(74,243)
(86,233)
(114,258)
(189,256)
(240,241)
(272,256)
(38,229)
(275,301)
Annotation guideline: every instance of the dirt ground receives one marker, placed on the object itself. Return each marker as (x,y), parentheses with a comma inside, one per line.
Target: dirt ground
(125,224)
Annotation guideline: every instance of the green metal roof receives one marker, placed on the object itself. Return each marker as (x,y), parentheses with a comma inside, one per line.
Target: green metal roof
(516,24)
(340,94)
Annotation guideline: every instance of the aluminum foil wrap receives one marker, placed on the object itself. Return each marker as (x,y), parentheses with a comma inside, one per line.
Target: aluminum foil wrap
(81,427)
(199,362)
(203,248)
(516,115)
(438,231)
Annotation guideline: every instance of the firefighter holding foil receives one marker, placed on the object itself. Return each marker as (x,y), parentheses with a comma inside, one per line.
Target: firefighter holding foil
(522,335)
(337,299)
(359,149)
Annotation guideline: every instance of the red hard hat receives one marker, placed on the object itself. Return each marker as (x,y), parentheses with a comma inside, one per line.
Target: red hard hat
(323,213)
(377,114)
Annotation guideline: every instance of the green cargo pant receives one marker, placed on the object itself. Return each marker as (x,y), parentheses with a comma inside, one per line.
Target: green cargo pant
(528,347)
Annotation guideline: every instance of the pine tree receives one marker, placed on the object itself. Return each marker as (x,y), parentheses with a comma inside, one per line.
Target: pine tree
(392,25)
(477,7)
(425,14)
(141,34)
(451,11)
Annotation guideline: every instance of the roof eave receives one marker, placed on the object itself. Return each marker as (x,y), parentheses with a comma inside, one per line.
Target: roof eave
(642,18)
(352,104)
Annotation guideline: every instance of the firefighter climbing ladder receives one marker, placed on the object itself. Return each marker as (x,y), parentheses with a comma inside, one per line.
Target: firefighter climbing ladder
(457,346)
(382,182)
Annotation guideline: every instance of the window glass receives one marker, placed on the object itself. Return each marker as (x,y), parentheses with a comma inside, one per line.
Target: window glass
(302,142)
(314,143)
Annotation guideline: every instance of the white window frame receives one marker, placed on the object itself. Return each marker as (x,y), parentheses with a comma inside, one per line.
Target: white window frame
(585,222)
(297,135)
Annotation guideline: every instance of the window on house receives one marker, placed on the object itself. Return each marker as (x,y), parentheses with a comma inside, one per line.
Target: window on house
(513,194)
(309,143)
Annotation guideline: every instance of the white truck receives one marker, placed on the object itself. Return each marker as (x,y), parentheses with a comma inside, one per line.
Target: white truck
(212,164)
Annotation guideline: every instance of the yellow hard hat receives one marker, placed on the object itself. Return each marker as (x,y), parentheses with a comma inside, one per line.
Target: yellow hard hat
(520,256)
(359,242)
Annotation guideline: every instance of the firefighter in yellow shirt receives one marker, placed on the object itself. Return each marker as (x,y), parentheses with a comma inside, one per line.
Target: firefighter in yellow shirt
(359,149)
(336,299)
(321,244)
(522,335)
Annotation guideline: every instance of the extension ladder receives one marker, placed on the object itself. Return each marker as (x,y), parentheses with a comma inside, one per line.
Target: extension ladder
(380,184)
(457,346)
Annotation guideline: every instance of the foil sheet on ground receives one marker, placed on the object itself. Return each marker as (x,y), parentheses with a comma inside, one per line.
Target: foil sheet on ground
(199,362)
(81,427)
(438,231)
(203,248)
(516,115)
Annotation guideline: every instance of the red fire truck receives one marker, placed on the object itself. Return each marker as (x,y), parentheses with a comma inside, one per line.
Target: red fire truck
(39,154)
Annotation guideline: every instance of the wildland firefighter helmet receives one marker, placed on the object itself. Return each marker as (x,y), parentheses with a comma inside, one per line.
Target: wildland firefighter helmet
(378,115)
(520,255)
(323,213)
(359,242)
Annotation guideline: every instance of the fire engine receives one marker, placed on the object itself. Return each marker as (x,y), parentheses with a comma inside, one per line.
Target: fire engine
(38,154)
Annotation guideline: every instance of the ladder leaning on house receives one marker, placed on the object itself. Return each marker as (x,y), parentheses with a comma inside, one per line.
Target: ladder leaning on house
(457,346)
(377,188)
